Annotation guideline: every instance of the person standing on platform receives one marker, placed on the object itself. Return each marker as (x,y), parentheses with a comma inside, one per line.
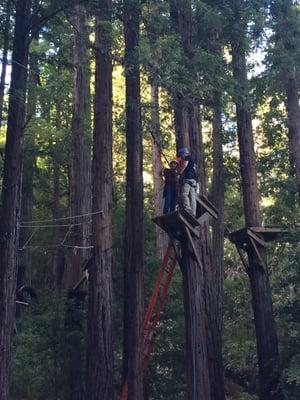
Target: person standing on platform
(187,171)
(170,188)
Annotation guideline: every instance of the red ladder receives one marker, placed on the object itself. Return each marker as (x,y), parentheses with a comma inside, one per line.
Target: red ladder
(155,308)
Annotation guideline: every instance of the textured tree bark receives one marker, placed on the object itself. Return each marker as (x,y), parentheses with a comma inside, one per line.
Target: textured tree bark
(211,288)
(99,374)
(245,137)
(4,55)
(198,374)
(25,258)
(293,110)
(181,21)
(181,123)
(217,198)
(282,13)
(213,264)
(157,168)
(133,265)
(181,15)
(266,336)
(10,207)
(80,193)
(80,171)
(57,256)
(196,143)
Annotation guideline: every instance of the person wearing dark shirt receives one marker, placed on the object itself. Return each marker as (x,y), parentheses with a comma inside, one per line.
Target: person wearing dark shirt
(187,173)
(170,188)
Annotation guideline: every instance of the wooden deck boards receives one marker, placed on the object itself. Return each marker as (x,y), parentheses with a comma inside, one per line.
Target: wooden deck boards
(175,222)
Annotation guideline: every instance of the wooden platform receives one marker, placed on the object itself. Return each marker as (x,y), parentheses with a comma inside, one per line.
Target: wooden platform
(174,223)
(262,235)
(270,233)
(204,205)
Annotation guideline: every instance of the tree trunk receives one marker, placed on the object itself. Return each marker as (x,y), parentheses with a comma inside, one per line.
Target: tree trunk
(213,276)
(266,337)
(181,21)
(80,174)
(245,137)
(196,143)
(157,168)
(211,291)
(284,16)
(181,14)
(99,378)
(57,257)
(133,266)
(80,194)
(56,260)
(181,123)
(198,374)
(25,258)
(4,55)
(293,110)
(10,207)
(217,198)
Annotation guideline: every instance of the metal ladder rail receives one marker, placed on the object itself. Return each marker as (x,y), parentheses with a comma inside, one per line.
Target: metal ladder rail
(149,328)
(150,337)
(155,292)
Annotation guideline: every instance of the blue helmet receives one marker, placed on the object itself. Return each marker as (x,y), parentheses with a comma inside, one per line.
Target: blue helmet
(183,150)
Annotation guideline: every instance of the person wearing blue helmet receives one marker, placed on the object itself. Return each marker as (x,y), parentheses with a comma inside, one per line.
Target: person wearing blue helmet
(188,178)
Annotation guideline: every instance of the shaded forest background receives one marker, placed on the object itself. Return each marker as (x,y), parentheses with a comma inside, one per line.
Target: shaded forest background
(50,245)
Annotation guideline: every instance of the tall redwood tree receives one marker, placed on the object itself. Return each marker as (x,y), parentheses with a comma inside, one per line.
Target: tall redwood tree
(217,198)
(266,336)
(285,21)
(99,374)
(80,192)
(10,197)
(133,263)
(28,168)
(157,168)
(80,171)
(202,319)
(4,55)
(181,23)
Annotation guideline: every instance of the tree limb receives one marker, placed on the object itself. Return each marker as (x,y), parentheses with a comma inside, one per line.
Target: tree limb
(35,27)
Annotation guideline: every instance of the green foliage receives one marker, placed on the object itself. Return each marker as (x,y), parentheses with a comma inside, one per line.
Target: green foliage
(42,346)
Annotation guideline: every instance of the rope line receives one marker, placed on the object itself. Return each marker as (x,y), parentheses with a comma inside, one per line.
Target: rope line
(77,247)
(25,223)
(29,239)
(54,246)
(67,234)
(55,226)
